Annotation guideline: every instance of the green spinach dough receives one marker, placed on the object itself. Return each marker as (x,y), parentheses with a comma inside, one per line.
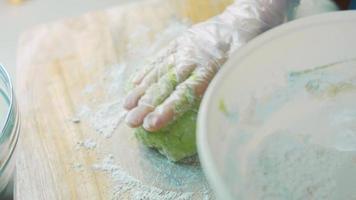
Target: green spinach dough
(176,141)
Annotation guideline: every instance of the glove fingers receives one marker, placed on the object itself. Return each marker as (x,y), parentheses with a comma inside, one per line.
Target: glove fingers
(161,117)
(158,71)
(155,95)
(135,117)
(138,77)
(157,61)
(134,96)
(181,100)
(160,90)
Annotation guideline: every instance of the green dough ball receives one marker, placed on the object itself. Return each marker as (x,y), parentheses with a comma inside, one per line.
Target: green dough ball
(177,141)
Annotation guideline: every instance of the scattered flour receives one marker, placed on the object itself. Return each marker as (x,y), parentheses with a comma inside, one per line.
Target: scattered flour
(89,144)
(89,89)
(77,167)
(75,120)
(126,185)
(107,117)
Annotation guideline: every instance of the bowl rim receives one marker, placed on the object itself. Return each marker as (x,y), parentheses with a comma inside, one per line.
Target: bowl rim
(204,150)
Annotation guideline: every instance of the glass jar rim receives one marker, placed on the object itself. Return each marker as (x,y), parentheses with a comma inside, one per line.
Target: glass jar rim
(5,77)
(11,126)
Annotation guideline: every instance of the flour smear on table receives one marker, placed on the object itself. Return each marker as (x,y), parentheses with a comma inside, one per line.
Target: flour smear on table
(105,114)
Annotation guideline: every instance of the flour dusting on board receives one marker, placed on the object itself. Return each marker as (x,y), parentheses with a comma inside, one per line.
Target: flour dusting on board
(155,176)
(88,144)
(126,183)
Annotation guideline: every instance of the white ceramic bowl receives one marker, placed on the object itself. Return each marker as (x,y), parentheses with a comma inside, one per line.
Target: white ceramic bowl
(278,120)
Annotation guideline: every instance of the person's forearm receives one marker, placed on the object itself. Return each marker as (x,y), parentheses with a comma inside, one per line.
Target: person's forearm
(242,21)
(251,18)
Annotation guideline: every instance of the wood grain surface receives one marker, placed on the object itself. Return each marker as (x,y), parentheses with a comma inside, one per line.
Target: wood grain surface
(52,70)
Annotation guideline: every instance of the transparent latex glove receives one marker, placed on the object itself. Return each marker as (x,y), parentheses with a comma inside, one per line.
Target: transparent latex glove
(176,80)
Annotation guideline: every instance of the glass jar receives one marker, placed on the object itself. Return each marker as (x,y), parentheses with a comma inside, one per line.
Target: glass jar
(10,128)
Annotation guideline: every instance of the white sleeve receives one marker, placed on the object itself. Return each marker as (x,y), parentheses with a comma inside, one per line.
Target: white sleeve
(239,23)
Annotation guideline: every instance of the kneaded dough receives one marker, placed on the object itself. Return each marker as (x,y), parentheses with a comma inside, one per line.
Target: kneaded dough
(176,141)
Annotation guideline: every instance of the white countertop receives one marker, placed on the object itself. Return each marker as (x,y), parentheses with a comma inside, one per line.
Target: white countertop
(14,19)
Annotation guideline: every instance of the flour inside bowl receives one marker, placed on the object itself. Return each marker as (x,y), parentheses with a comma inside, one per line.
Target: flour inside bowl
(304,144)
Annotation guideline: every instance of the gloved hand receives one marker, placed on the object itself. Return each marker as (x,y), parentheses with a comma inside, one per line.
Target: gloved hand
(177,79)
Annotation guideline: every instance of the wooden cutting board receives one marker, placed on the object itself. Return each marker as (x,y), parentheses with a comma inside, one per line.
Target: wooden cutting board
(52,72)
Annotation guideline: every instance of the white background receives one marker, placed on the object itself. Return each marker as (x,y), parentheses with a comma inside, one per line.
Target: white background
(14,19)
